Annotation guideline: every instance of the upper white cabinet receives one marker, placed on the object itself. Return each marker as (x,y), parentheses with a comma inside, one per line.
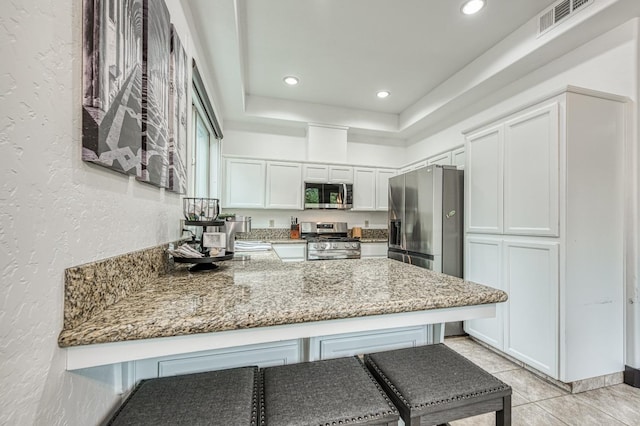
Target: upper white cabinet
(318,173)
(545,206)
(284,185)
(364,188)
(244,183)
(382,188)
(340,174)
(531,174)
(443,159)
(513,177)
(322,173)
(458,157)
(483,181)
(371,188)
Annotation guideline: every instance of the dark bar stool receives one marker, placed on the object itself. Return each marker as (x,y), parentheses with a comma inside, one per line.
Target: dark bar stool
(432,385)
(224,397)
(330,392)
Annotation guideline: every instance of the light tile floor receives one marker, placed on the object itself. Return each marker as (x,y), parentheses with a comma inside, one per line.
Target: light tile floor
(537,402)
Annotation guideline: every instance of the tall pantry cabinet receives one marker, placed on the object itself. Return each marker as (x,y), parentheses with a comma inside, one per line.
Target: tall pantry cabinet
(544,214)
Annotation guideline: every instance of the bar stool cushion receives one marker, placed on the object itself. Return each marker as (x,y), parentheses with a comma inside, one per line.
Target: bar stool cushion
(327,392)
(224,397)
(434,378)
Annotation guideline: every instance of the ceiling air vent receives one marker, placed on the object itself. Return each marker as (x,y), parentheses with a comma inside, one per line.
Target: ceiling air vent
(559,11)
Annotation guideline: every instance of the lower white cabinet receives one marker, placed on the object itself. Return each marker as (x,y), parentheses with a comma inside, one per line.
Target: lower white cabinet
(531,280)
(526,326)
(294,252)
(349,344)
(483,258)
(368,250)
(262,355)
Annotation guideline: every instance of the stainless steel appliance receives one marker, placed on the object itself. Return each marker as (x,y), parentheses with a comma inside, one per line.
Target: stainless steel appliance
(426,218)
(426,222)
(329,240)
(328,196)
(233,225)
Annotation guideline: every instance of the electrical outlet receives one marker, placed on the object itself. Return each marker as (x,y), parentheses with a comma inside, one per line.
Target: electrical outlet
(366,223)
(272,223)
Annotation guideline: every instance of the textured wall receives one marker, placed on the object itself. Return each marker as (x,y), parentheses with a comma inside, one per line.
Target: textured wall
(56,212)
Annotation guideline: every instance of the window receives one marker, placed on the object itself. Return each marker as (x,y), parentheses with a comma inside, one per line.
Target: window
(207,136)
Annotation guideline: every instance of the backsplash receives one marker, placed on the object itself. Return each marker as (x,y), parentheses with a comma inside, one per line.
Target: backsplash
(92,287)
(270,234)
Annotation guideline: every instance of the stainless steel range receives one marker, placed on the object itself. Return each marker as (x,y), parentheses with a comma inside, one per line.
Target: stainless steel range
(329,240)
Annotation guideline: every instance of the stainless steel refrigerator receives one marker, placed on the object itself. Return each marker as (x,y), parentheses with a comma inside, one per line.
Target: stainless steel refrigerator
(426,218)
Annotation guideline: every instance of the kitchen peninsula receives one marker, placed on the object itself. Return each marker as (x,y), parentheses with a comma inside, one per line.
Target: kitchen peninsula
(263,300)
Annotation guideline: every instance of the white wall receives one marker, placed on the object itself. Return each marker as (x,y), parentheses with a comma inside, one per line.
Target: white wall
(57,211)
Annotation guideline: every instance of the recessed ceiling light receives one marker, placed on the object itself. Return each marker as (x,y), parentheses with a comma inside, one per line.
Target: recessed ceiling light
(291,80)
(472,6)
(383,94)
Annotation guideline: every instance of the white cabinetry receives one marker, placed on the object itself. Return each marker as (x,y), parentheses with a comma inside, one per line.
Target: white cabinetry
(318,173)
(292,252)
(349,344)
(382,188)
(368,250)
(458,157)
(544,205)
(531,280)
(371,188)
(244,183)
(284,185)
(483,258)
(340,174)
(322,173)
(262,355)
(443,159)
(364,188)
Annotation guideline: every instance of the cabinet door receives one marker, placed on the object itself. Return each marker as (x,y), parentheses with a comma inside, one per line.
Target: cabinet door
(531,179)
(340,174)
(483,265)
(373,250)
(315,173)
(262,355)
(458,158)
(443,159)
(364,188)
(483,181)
(531,279)
(350,344)
(244,183)
(382,188)
(291,252)
(284,186)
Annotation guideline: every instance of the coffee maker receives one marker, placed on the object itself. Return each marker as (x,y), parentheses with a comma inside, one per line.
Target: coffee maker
(233,225)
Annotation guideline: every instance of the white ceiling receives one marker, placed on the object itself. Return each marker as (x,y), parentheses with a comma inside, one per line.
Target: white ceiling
(344,51)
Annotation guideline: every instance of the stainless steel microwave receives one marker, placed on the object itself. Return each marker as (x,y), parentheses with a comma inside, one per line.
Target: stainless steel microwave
(328,195)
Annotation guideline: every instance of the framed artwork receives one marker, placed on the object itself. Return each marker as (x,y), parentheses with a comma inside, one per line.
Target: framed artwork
(112,84)
(156,45)
(179,88)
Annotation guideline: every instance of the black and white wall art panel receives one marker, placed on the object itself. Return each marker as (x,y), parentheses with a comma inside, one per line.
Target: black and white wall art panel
(112,83)
(156,45)
(179,87)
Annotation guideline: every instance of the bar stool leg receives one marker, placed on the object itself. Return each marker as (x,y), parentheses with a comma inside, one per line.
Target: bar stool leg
(503,417)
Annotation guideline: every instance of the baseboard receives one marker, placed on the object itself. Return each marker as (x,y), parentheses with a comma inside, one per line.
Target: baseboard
(632,376)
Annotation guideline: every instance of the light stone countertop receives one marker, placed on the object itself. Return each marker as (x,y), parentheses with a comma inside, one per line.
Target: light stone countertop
(264,291)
